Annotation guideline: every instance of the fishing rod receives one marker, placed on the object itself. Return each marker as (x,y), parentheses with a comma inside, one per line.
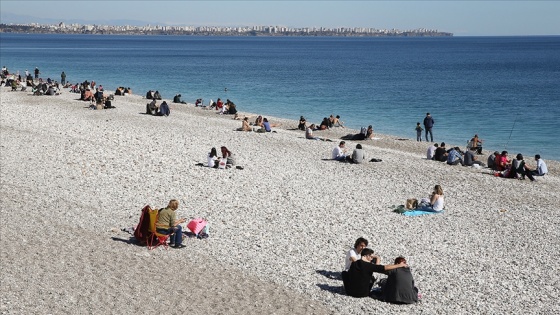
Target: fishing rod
(511,132)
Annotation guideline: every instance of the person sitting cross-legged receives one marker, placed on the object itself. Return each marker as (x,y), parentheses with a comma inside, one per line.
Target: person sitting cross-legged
(358,281)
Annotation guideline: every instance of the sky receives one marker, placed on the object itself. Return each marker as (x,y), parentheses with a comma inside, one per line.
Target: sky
(463,18)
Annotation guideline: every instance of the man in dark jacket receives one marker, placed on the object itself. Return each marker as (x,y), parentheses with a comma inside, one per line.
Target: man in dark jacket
(399,287)
(358,279)
(428,124)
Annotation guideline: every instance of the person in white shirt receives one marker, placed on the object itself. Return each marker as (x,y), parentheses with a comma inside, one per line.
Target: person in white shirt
(431,151)
(354,254)
(541,167)
(339,152)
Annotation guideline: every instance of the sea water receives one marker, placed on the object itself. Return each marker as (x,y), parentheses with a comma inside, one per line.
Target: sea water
(505,89)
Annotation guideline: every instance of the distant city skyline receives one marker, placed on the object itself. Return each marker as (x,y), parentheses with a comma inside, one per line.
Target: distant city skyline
(463,18)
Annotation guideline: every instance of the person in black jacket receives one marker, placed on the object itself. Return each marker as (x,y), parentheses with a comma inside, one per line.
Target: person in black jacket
(359,278)
(399,287)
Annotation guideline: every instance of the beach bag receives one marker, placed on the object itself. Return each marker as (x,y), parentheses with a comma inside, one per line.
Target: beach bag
(197,225)
(222,163)
(411,203)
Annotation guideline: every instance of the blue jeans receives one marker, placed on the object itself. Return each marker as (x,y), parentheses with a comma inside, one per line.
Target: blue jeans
(429,130)
(176,238)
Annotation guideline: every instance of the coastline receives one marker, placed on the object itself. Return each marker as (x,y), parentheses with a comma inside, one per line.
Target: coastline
(276,227)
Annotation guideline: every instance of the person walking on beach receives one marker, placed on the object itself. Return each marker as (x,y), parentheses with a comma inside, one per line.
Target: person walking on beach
(428,124)
(419,132)
(63,78)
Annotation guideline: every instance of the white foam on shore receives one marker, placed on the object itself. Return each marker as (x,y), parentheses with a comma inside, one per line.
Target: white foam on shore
(69,174)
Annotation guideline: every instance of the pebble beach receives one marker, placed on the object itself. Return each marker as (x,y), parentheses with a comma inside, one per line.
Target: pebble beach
(74,181)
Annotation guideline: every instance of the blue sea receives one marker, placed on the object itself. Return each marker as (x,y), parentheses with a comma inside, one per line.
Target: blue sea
(505,89)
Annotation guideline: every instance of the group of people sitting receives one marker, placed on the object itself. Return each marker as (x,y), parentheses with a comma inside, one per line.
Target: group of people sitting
(453,156)
(226,159)
(325,124)
(516,168)
(261,124)
(499,162)
(155,109)
(340,153)
(360,264)
(122,91)
(151,95)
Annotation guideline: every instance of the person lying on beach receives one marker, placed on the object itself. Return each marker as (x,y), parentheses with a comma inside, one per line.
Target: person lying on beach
(168,224)
(324,124)
(309,134)
(435,202)
(354,254)
(399,287)
(358,280)
(245,125)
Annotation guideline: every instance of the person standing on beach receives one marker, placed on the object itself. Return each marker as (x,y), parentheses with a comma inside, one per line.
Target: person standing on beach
(419,132)
(168,224)
(428,124)
(36,73)
(63,78)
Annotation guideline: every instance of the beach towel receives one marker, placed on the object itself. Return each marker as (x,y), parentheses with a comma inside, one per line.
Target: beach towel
(415,213)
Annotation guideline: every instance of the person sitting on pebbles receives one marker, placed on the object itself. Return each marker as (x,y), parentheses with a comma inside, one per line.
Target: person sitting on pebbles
(168,224)
(359,279)
(399,287)
(354,254)
(245,125)
(339,152)
(436,201)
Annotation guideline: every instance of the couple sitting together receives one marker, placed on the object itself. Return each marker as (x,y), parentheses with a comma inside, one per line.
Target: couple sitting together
(358,279)
(339,153)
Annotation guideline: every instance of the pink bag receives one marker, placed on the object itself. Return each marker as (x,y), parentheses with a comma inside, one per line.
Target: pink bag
(196,225)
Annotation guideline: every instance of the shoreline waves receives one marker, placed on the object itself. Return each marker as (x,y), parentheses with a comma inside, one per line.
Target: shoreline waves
(73,178)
